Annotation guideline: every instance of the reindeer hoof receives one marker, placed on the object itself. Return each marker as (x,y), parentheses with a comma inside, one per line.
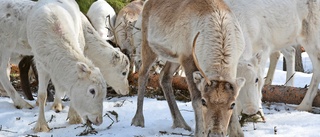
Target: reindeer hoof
(183,125)
(57,107)
(23,104)
(41,128)
(138,121)
(303,107)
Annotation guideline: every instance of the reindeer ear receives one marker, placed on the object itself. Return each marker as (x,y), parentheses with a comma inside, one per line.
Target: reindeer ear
(115,57)
(256,60)
(197,77)
(239,83)
(83,69)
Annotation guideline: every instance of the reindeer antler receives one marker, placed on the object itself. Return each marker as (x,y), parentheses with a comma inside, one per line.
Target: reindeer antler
(196,60)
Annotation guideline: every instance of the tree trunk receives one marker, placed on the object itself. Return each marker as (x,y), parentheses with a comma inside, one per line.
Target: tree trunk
(271,93)
(299,65)
(298,60)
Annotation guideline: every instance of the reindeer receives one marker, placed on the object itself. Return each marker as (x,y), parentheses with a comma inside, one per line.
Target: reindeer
(98,13)
(54,31)
(14,41)
(113,63)
(271,25)
(204,37)
(124,25)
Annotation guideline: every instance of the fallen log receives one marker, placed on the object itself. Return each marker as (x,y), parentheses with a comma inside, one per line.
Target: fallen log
(286,94)
(178,82)
(270,93)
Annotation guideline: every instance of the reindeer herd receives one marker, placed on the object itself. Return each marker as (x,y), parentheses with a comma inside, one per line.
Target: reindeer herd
(221,45)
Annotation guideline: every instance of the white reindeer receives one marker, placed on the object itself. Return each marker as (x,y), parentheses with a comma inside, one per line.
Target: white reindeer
(272,25)
(54,32)
(99,13)
(169,30)
(112,60)
(13,39)
(114,65)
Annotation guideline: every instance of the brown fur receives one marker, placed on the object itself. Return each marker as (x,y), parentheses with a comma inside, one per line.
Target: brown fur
(182,19)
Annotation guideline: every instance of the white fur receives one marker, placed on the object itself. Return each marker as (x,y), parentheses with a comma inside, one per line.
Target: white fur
(13,39)
(55,34)
(113,63)
(249,99)
(271,25)
(98,13)
(14,28)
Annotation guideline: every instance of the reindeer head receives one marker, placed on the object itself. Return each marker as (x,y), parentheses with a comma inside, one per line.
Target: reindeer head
(250,96)
(119,65)
(218,97)
(87,93)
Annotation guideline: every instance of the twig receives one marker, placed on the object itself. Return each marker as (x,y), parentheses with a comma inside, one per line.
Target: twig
(108,127)
(50,120)
(186,110)
(289,78)
(32,122)
(115,114)
(88,130)
(4,130)
(31,135)
(183,96)
(174,133)
(254,126)
(59,127)
(120,104)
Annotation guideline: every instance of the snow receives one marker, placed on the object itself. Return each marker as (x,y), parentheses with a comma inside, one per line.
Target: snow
(282,118)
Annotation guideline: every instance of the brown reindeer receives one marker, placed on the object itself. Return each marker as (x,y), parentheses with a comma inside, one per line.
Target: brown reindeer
(198,35)
(124,25)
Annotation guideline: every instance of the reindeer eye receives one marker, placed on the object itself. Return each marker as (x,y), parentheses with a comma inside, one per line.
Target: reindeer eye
(257,80)
(124,73)
(204,103)
(92,91)
(232,105)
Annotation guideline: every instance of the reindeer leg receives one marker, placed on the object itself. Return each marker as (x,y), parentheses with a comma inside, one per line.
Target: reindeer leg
(289,54)
(14,95)
(166,76)
(190,67)
(148,57)
(73,116)
(314,54)
(24,67)
(274,57)
(57,103)
(44,78)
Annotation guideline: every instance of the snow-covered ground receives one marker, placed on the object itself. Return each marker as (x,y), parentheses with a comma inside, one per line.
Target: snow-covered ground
(282,119)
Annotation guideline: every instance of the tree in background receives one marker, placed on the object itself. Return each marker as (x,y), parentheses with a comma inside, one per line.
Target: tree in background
(116,4)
